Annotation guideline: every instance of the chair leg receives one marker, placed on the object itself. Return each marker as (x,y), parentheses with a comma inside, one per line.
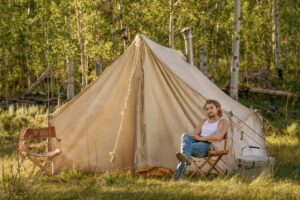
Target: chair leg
(42,165)
(198,169)
(205,161)
(214,164)
(216,168)
(213,167)
(32,171)
(38,163)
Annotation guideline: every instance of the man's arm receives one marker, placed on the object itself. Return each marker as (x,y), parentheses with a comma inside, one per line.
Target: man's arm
(198,128)
(219,135)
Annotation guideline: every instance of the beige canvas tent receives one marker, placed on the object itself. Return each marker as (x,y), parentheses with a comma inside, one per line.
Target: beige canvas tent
(132,116)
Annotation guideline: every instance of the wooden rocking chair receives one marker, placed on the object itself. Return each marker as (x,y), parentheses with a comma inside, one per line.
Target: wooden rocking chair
(34,145)
(212,159)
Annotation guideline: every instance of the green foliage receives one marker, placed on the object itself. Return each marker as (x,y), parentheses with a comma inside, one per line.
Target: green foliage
(38,34)
(14,118)
(293,129)
(279,112)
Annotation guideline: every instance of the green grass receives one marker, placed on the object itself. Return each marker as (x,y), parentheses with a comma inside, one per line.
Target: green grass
(78,185)
(286,150)
(120,186)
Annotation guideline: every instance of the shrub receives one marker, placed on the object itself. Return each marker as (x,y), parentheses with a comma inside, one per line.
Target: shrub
(14,118)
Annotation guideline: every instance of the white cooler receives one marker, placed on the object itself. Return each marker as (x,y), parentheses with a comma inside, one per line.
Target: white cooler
(251,166)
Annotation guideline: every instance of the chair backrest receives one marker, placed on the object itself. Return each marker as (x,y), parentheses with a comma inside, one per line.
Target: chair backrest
(34,133)
(48,132)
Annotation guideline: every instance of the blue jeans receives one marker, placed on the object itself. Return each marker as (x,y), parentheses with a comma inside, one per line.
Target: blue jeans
(190,147)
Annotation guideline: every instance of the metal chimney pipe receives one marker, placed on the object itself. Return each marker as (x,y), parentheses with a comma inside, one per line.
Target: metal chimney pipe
(187,34)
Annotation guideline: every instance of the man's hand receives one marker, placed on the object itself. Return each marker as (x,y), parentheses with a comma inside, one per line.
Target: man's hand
(197,138)
(198,128)
(197,131)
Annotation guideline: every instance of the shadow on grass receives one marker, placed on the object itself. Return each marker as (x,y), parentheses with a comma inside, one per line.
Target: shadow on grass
(289,171)
(78,185)
(125,193)
(129,187)
(121,189)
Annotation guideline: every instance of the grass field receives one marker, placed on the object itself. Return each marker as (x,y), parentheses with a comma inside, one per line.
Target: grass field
(77,185)
(285,184)
(80,186)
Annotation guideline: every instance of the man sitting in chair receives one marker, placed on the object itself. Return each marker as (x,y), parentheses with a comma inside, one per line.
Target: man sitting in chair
(198,144)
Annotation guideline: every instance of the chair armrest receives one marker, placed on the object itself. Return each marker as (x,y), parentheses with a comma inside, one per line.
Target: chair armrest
(221,152)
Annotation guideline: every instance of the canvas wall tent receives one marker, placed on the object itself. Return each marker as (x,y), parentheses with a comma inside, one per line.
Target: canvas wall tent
(135,112)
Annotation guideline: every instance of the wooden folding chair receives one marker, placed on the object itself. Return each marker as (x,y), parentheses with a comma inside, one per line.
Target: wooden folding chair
(212,159)
(35,145)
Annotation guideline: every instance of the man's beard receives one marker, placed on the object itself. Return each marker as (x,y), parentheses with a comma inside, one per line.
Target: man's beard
(211,115)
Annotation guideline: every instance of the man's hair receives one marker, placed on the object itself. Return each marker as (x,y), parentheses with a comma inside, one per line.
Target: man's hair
(215,103)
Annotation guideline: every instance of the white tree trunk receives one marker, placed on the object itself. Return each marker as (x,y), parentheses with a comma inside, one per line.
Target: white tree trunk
(276,38)
(172,7)
(112,24)
(81,43)
(58,93)
(217,60)
(70,82)
(171,24)
(203,60)
(121,22)
(187,34)
(236,47)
